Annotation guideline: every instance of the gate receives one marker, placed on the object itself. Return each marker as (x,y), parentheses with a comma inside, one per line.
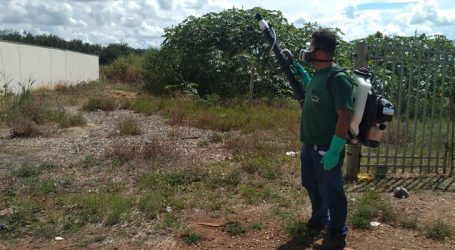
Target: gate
(417,75)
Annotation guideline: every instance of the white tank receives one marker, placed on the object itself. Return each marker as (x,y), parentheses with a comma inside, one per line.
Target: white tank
(360,99)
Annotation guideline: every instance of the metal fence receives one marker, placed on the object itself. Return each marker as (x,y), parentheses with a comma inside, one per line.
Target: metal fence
(418,77)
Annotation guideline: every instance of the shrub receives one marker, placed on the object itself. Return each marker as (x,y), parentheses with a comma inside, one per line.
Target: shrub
(24,127)
(125,69)
(439,231)
(100,103)
(128,126)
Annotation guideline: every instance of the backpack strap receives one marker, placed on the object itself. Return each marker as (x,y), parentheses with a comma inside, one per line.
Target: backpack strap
(330,80)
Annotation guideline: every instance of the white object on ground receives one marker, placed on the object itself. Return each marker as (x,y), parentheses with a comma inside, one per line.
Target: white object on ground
(291,153)
(375,223)
(59,238)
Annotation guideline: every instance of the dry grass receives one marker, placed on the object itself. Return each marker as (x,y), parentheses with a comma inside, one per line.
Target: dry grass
(151,150)
(128,126)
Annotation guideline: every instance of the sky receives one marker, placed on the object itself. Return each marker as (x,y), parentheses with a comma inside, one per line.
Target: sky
(141,23)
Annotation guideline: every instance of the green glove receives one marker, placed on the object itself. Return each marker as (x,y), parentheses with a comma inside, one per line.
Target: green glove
(300,73)
(332,156)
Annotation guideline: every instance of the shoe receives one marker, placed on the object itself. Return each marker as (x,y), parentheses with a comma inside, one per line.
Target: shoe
(330,244)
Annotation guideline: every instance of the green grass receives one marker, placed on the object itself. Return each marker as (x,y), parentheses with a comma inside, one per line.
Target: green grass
(370,207)
(151,204)
(234,228)
(27,170)
(439,231)
(235,115)
(191,238)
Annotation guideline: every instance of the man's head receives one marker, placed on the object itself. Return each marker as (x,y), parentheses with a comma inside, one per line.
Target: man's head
(325,41)
(322,49)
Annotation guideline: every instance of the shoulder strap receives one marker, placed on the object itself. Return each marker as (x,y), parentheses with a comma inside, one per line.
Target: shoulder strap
(330,80)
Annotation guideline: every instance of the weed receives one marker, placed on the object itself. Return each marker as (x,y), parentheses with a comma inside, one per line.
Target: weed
(47,165)
(24,127)
(147,105)
(90,161)
(234,228)
(232,179)
(100,103)
(128,126)
(408,222)
(45,187)
(370,207)
(119,205)
(24,213)
(181,177)
(256,226)
(66,181)
(151,204)
(152,150)
(439,231)
(254,192)
(191,238)
(67,120)
(27,170)
(169,222)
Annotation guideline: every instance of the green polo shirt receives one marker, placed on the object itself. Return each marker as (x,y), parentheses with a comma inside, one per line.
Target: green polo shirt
(319,114)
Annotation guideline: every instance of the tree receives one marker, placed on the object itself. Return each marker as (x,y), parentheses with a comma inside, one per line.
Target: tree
(218,50)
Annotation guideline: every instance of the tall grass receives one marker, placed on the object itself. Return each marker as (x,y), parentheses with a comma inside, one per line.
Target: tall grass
(224,116)
(125,69)
(24,112)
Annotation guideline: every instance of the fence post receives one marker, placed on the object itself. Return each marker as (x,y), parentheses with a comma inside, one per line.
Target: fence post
(353,151)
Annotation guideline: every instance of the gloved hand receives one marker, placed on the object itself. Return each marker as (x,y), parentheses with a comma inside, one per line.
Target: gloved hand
(332,156)
(299,72)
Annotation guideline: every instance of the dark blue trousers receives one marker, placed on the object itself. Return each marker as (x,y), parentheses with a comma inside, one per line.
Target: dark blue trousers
(325,189)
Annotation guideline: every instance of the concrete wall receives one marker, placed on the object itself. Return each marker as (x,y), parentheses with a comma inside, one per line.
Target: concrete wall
(23,64)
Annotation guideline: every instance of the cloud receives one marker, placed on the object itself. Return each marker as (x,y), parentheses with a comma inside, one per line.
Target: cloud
(141,23)
(429,12)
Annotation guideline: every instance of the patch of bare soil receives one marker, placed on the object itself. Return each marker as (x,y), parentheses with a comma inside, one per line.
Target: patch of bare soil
(97,138)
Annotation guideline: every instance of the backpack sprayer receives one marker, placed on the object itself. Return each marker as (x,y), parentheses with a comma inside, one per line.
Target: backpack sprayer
(371,110)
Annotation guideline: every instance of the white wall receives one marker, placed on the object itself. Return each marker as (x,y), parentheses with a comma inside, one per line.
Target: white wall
(22,64)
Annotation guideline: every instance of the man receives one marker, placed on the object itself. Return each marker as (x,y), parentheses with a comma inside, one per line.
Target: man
(326,116)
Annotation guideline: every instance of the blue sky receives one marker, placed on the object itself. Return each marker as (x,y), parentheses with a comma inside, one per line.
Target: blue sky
(141,23)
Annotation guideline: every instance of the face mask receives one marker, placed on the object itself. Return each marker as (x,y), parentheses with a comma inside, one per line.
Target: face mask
(307,54)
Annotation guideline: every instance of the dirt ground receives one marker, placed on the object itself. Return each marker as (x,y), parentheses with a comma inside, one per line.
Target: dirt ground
(75,143)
